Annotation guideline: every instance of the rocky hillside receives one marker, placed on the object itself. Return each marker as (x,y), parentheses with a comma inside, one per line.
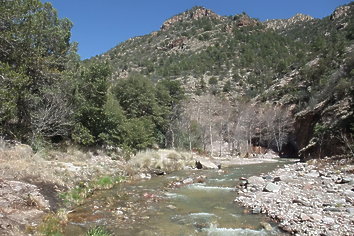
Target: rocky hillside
(302,63)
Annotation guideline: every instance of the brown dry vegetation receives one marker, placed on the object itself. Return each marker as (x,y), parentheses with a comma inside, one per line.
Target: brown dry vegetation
(164,160)
(30,183)
(63,169)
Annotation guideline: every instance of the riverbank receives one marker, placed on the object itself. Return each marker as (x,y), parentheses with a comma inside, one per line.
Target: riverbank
(30,183)
(314,198)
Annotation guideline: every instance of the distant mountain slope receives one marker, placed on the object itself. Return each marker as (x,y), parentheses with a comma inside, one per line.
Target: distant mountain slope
(303,63)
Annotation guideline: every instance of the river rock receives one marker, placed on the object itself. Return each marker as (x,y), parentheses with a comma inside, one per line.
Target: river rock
(36,199)
(328,220)
(200,179)
(243,183)
(256,210)
(344,180)
(332,209)
(350,210)
(301,202)
(172,207)
(207,164)
(267,177)
(340,202)
(277,179)
(145,176)
(286,178)
(271,187)
(266,226)
(198,165)
(349,193)
(304,217)
(188,181)
(158,172)
(255,180)
(307,186)
(316,217)
(313,174)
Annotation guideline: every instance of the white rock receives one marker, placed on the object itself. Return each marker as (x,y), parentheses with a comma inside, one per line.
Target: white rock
(255,180)
(328,220)
(188,181)
(207,164)
(271,187)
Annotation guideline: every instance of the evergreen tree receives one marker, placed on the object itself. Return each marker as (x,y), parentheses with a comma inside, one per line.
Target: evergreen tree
(91,99)
(34,51)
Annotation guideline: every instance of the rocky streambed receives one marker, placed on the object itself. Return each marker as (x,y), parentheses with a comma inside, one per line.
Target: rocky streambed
(315,198)
(185,202)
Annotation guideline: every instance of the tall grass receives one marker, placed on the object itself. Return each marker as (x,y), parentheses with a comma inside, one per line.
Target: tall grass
(97,231)
(166,160)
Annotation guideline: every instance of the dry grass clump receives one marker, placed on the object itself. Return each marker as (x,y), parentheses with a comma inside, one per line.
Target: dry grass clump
(62,168)
(165,160)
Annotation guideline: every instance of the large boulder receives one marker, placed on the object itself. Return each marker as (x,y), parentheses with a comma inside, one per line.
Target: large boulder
(206,164)
(271,187)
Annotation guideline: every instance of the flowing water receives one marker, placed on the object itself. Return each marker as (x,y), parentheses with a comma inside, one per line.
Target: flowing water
(153,207)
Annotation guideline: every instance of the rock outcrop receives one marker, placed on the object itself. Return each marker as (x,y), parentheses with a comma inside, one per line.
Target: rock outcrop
(284,23)
(244,20)
(194,14)
(340,12)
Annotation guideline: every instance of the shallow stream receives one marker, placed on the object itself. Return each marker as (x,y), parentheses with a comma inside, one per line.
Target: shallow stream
(158,207)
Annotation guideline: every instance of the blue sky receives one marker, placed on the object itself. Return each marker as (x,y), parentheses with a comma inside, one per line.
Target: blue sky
(101,25)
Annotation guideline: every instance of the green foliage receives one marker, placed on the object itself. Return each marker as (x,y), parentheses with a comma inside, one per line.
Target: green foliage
(227,87)
(320,130)
(34,51)
(139,133)
(91,99)
(169,92)
(11,89)
(201,87)
(106,182)
(169,95)
(83,190)
(149,109)
(38,143)
(213,81)
(136,95)
(82,135)
(114,123)
(97,231)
